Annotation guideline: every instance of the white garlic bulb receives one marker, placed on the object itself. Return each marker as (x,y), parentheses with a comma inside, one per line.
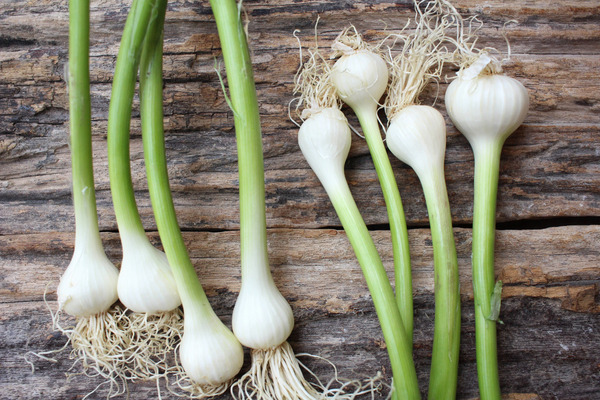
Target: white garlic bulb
(417,136)
(89,284)
(360,78)
(146,283)
(262,317)
(210,354)
(325,141)
(487,108)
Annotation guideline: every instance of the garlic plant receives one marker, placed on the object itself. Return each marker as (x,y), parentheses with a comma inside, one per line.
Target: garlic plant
(486,106)
(486,109)
(146,285)
(209,353)
(360,77)
(324,139)
(262,318)
(417,136)
(88,287)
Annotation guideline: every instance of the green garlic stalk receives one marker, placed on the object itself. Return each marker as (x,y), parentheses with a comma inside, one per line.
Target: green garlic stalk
(210,354)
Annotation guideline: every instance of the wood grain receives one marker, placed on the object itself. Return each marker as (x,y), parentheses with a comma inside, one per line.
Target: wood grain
(548,207)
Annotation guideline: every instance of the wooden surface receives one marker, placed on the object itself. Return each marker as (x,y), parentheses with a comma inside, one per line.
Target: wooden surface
(548,241)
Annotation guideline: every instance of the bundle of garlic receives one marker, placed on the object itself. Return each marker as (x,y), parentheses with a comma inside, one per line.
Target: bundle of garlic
(135,342)
(324,140)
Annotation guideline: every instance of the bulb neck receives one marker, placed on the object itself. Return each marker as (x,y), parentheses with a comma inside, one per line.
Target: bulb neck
(87,234)
(334,180)
(366,111)
(487,147)
(132,240)
(255,267)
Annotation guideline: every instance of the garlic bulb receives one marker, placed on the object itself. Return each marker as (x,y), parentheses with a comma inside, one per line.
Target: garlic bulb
(417,136)
(325,141)
(487,107)
(262,317)
(360,78)
(89,284)
(146,283)
(210,353)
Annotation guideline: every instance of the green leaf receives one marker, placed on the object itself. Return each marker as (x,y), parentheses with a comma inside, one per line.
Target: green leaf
(495,303)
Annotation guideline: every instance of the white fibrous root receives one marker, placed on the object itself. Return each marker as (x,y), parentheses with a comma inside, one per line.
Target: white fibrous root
(277,374)
(313,86)
(421,57)
(152,340)
(466,54)
(119,346)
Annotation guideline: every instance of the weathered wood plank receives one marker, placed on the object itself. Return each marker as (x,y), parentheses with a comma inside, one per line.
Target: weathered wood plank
(548,344)
(543,349)
(552,157)
(562,88)
(546,24)
(555,263)
(553,154)
(547,171)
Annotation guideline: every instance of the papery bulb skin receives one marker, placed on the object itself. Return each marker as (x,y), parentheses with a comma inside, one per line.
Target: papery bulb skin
(360,79)
(325,140)
(487,108)
(262,318)
(209,352)
(146,283)
(89,284)
(417,136)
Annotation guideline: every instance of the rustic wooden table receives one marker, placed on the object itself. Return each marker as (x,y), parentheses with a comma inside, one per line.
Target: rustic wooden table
(548,236)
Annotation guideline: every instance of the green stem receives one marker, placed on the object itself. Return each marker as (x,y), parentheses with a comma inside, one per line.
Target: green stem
(119,115)
(190,290)
(401,252)
(487,164)
(446,337)
(406,386)
(240,79)
(80,126)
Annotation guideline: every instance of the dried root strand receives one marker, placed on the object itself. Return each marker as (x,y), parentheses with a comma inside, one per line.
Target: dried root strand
(348,42)
(127,346)
(119,347)
(313,85)
(152,340)
(465,38)
(421,58)
(277,374)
